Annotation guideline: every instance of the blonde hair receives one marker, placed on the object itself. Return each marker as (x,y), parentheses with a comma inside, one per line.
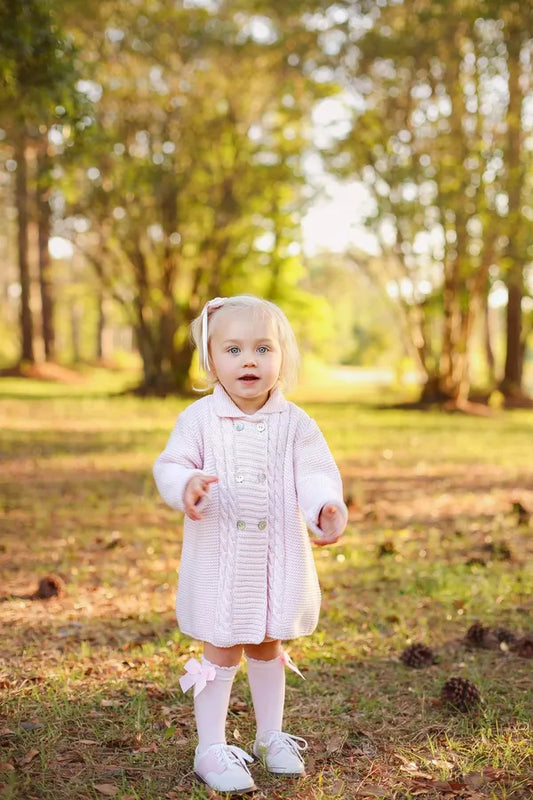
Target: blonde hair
(200,334)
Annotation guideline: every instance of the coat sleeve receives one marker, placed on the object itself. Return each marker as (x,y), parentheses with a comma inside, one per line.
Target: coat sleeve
(318,481)
(181,459)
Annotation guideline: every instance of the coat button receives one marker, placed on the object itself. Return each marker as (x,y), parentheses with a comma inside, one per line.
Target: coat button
(262,524)
(261,427)
(261,477)
(241,524)
(239,426)
(239,477)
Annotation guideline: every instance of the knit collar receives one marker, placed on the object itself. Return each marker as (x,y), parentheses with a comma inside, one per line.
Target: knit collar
(225,407)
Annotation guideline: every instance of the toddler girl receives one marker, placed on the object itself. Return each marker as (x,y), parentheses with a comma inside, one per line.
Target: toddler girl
(249,469)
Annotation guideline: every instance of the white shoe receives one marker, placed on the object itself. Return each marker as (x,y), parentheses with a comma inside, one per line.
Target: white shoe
(223,768)
(280,752)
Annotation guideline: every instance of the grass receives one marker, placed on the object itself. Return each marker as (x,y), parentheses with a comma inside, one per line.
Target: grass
(90,700)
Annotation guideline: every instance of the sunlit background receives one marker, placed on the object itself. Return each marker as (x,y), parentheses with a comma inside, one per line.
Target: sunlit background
(154,156)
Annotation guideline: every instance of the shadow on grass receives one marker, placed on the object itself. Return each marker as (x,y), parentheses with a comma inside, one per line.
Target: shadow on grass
(374,728)
(18,445)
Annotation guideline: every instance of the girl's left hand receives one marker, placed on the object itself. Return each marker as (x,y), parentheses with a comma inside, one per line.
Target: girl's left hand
(331,523)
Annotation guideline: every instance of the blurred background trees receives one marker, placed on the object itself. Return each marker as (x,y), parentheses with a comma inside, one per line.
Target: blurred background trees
(166,153)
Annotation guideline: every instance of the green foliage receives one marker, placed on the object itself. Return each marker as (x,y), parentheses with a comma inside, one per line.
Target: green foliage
(178,135)
(364,325)
(37,71)
(191,182)
(432,140)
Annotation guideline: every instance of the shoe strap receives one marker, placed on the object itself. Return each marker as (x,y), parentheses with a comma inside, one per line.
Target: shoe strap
(232,753)
(295,743)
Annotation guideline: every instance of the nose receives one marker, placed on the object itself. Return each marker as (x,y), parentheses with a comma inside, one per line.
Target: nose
(249,359)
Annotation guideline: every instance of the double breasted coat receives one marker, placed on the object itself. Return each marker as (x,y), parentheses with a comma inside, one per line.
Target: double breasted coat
(247,570)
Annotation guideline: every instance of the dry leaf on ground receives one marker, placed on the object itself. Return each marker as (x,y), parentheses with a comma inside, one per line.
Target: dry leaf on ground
(107,789)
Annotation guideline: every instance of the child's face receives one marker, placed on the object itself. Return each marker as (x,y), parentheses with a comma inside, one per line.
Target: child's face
(245,356)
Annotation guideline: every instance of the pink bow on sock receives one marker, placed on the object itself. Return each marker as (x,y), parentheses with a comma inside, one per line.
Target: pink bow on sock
(288,662)
(197,675)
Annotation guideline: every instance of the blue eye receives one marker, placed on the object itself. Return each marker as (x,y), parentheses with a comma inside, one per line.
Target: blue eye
(262,349)
(234,350)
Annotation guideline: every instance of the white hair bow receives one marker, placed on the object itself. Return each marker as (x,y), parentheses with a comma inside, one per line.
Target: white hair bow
(211,305)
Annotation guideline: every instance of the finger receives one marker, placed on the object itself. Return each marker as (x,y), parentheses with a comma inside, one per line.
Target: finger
(323,542)
(201,502)
(207,479)
(194,513)
(326,541)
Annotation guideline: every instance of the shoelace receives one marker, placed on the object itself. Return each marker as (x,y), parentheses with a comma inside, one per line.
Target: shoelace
(230,754)
(294,743)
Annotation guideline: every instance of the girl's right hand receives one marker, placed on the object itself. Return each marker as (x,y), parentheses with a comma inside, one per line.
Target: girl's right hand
(331,523)
(195,491)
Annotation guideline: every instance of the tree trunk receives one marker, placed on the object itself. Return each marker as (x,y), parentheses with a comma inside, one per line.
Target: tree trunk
(487,341)
(45,267)
(165,368)
(515,252)
(26,321)
(454,380)
(76,313)
(512,379)
(104,341)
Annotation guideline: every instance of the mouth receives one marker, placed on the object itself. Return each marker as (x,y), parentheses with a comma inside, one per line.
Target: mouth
(248,378)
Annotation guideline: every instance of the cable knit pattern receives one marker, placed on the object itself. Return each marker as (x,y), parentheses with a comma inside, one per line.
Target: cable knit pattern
(247,570)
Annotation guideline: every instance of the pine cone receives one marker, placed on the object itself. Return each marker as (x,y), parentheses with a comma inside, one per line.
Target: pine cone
(504,635)
(500,551)
(49,586)
(479,635)
(386,549)
(523,647)
(461,694)
(522,514)
(418,656)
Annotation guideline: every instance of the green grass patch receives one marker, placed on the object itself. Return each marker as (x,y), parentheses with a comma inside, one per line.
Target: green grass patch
(91,705)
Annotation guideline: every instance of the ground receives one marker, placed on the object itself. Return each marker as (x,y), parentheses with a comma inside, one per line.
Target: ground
(439,537)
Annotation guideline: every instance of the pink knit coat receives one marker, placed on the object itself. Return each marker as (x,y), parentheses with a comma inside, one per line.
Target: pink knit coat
(247,570)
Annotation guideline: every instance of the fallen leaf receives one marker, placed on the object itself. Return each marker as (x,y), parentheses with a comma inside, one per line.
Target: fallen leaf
(449,786)
(30,755)
(493,774)
(373,790)
(152,748)
(31,726)
(475,779)
(238,707)
(107,789)
(335,743)
(70,756)
(414,772)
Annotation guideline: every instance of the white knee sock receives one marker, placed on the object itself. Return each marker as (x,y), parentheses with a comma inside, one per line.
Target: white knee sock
(211,707)
(267,685)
